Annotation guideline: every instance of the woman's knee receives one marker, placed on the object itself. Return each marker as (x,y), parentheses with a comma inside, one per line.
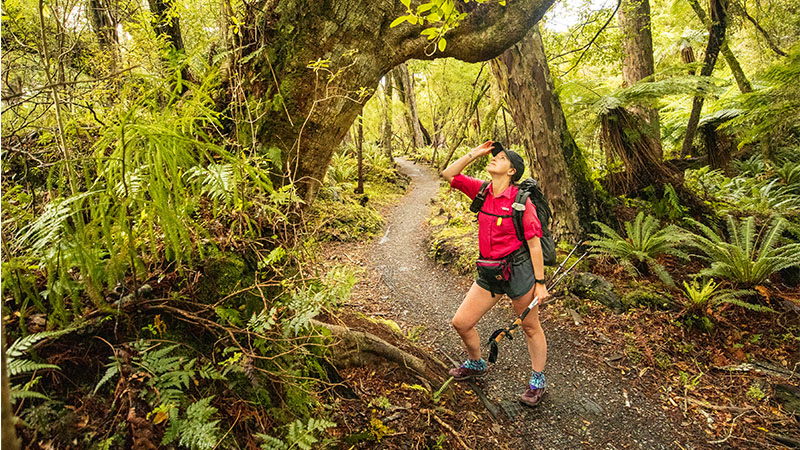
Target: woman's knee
(532,328)
(461,325)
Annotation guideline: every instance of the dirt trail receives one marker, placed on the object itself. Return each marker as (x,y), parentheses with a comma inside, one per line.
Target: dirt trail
(589,405)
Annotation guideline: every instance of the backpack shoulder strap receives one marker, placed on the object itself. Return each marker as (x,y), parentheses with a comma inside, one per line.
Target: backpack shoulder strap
(519,210)
(477,202)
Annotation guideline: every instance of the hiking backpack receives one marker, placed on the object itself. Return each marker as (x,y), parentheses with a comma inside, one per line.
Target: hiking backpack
(527,189)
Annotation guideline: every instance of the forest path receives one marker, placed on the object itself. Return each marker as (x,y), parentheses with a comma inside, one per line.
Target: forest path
(586,402)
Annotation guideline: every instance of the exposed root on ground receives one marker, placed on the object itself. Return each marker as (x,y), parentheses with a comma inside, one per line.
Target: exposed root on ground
(359,348)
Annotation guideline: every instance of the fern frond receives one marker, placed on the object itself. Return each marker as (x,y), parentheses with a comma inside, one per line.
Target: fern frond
(17,366)
(22,345)
(17,393)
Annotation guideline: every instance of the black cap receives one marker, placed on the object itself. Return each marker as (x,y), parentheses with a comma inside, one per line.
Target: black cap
(516,161)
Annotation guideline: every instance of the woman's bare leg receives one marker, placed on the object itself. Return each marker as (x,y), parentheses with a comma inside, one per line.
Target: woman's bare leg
(477,301)
(534,334)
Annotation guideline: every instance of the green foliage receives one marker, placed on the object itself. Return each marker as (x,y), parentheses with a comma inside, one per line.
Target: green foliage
(749,256)
(704,298)
(771,114)
(755,392)
(197,431)
(16,365)
(644,242)
(756,190)
(150,172)
(299,434)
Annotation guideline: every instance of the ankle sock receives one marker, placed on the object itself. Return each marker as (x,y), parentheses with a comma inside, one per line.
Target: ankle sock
(537,380)
(475,364)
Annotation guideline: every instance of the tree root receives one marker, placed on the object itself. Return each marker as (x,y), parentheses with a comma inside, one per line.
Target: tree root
(359,348)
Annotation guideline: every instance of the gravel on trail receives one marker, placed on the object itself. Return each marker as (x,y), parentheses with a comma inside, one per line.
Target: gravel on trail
(588,404)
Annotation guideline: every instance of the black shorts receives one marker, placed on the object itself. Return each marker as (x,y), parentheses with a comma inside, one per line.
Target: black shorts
(519,283)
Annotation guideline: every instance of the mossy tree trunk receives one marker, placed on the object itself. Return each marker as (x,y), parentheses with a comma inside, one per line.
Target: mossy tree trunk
(637,63)
(167,22)
(312,108)
(386,138)
(716,37)
(409,97)
(730,58)
(556,161)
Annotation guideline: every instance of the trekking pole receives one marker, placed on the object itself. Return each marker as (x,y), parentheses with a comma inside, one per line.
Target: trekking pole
(499,334)
(567,258)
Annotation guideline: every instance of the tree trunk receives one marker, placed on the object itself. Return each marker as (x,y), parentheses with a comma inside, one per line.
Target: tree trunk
(302,44)
(360,149)
(105,28)
(407,93)
(524,78)
(716,35)
(733,63)
(637,64)
(168,23)
(386,139)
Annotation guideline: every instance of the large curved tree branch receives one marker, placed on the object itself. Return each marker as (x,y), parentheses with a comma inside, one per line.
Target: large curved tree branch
(355,41)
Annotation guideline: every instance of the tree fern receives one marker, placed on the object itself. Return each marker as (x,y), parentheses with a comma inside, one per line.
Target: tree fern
(747,257)
(644,242)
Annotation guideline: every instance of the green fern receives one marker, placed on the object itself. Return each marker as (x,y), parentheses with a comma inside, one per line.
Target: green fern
(218,181)
(644,242)
(17,366)
(301,435)
(343,168)
(197,431)
(748,257)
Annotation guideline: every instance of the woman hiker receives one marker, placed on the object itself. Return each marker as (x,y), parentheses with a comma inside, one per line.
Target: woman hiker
(497,241)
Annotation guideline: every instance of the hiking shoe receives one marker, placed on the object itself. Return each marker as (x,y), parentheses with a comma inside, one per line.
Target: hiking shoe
(532,397)
(470,369)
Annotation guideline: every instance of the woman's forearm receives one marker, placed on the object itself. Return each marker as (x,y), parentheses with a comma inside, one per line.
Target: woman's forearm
(537,259)
(458,165)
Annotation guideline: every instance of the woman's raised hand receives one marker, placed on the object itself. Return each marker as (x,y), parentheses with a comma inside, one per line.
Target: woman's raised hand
(483,149)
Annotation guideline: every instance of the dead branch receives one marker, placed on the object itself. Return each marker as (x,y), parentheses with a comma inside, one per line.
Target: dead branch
(447,427)
(705,404)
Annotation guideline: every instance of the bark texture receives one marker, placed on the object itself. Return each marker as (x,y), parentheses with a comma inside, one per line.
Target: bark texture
(736,69)
(105,28)
(386,138)
(716,36)
(409,97)
(355,48)
(637,63)
(524,78)
(168,23)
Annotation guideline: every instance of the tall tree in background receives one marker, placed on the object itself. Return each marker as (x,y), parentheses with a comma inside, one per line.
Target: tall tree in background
(556,161)
(405,85)
(716,36)
(350,47)
(386,138)
(637,63)
(104,25)
(733,63)
(167,22)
